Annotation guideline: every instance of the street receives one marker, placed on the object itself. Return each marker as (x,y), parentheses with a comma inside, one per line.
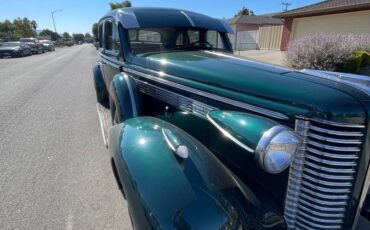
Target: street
(55,172)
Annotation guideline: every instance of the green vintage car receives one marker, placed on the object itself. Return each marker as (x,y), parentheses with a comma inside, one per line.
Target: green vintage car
(203,139)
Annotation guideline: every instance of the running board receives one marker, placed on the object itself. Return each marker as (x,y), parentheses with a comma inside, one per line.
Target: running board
(105,121)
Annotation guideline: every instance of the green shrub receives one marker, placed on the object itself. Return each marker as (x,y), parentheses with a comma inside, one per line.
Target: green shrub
(365,58)
(329,52)
(352,65)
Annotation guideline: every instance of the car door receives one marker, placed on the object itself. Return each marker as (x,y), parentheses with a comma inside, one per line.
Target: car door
(111,55)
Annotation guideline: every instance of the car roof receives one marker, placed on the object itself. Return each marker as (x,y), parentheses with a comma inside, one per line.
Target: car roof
(153,17)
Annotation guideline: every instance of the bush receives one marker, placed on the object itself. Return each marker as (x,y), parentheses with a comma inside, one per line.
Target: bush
(352,65)
(326,51)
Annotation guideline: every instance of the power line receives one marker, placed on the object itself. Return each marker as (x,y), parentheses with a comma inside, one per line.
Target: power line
(286,4)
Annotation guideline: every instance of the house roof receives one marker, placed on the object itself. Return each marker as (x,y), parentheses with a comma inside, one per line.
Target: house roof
(326,7)
(255,19)
(155,17)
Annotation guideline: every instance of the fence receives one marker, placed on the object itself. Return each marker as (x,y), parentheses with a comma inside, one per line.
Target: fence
(245,40)
(270,37)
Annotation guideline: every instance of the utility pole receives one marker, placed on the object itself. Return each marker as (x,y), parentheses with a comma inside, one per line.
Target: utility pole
(52,16)
(286,4)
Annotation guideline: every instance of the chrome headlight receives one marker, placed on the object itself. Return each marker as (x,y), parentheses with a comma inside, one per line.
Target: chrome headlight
(276,149)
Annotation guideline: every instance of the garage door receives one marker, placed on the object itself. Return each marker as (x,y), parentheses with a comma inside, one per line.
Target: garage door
(353,22)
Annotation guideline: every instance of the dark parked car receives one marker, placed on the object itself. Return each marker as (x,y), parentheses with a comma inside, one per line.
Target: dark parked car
(47,45)
(14,49)
(203,139)
(36,46)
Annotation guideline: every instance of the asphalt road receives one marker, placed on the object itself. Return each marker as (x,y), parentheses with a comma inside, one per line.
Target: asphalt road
(54,169)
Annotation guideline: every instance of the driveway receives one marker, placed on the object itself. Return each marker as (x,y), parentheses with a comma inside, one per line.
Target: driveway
(275,57)
(55,172)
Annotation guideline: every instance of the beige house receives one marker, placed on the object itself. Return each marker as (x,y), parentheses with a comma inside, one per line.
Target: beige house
(255,32)
(332,16)
(252,22)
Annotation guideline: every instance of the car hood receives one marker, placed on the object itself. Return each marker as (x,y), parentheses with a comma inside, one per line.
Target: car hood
(280,89)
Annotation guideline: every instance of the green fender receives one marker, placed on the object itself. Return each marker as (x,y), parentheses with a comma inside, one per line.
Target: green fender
(124,98)
(172,181)
(244,129)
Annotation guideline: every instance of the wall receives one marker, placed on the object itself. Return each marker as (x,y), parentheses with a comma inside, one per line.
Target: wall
(353,22)
(270,37)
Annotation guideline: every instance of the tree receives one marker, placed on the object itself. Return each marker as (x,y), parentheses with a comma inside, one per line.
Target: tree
(88,38)
(34,25)
(18,28)
(95,29)
(244,11)
(78,37)
(7,31)
(66,36)
(48,33)
(117,5)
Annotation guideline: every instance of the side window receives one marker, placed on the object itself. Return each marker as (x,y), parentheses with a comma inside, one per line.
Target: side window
(214,38)
(108,35)
(111,40)
(193,36)
(100,35)
(143,41)
(149,36)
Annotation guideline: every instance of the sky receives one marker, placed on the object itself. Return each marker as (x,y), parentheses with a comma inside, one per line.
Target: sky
(77,16)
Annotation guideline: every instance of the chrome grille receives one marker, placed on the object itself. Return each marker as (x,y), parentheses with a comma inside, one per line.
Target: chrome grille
(322,174)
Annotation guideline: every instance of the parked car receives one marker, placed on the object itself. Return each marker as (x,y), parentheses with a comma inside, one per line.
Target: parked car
(14,49)
(47,45)
(203,139)
(36,46)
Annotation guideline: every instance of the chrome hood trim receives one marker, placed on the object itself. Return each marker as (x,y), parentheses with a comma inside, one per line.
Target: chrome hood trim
(360,82)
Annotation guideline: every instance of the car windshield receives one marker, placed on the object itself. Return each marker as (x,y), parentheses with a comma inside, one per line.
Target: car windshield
(145,41)
(10,44)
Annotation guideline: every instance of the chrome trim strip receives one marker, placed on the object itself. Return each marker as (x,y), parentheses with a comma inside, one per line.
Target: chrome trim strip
(321,220)
(331,162)
(296,177)
(338,124)
(323,189)
(215,97)
(332,155)
(334,140)
(324,196)
(327,183)
(337,133)
(179,101)
(332,215)
(364,190)
(111,61)
(328,176)
(323,208)
(105,140)
(332,170)
(132,97)
(316,226)
(334,148)
(228,135)
(170,145)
